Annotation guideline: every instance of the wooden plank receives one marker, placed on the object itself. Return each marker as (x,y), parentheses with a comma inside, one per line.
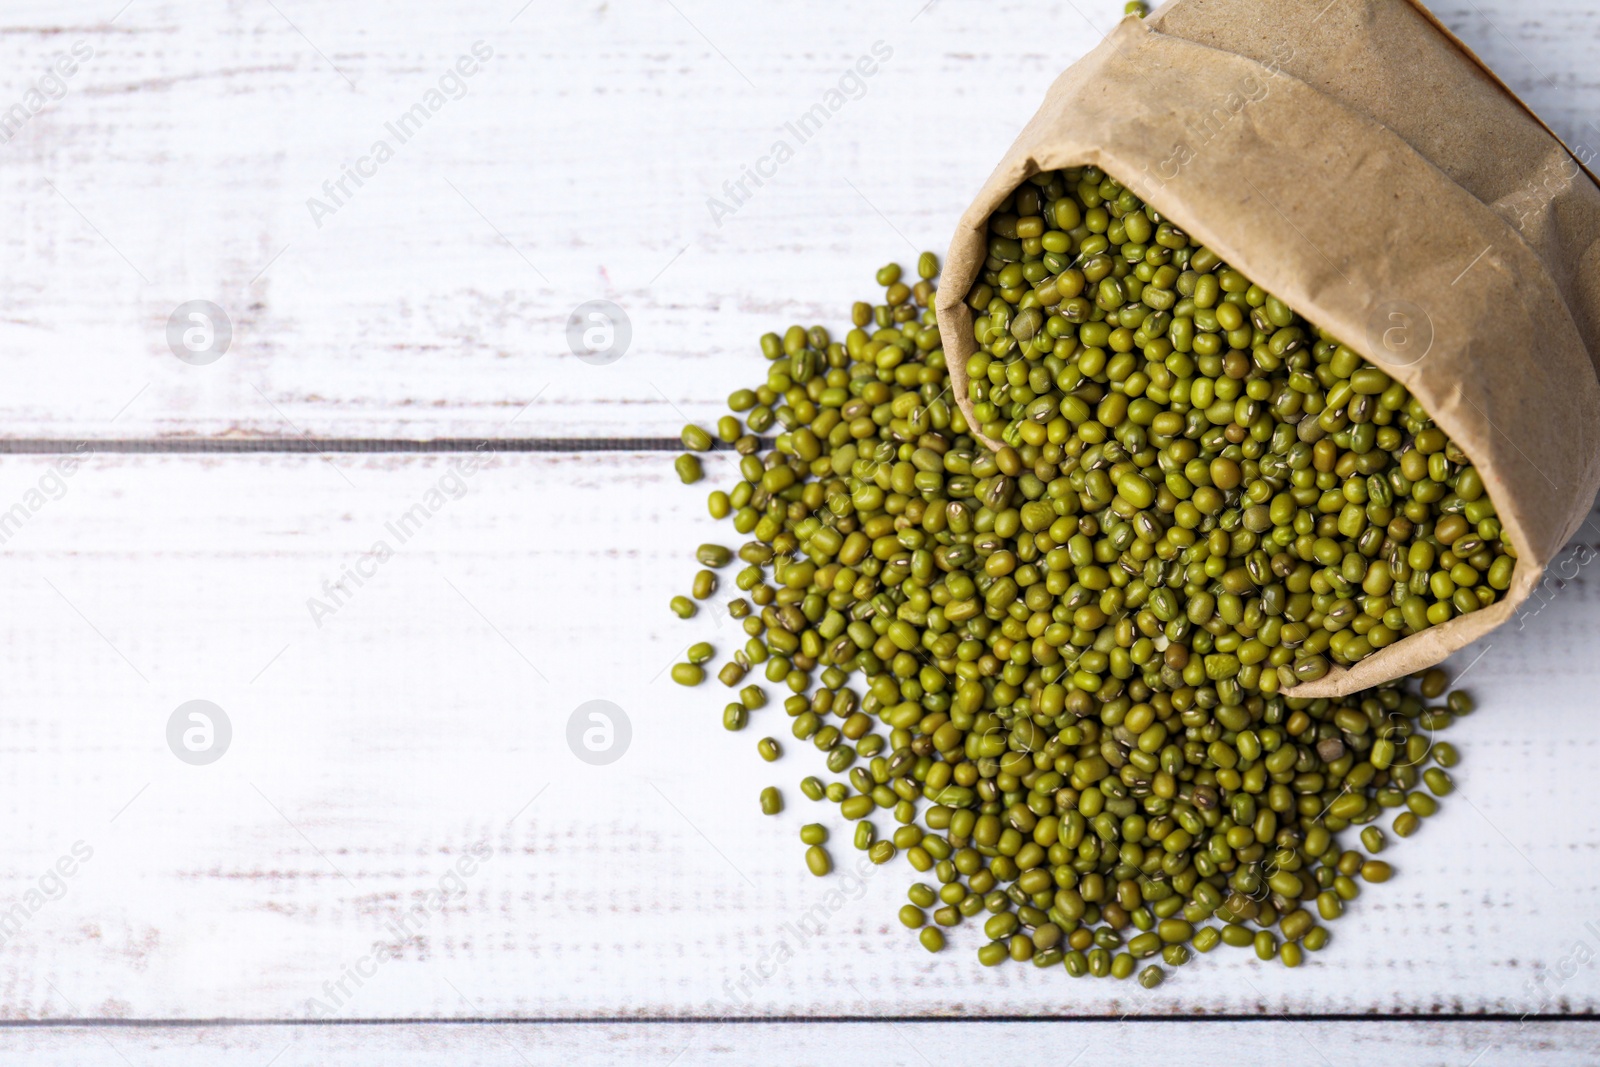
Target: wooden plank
(911,1044)
(426,719)
(1534,48)
(578,165)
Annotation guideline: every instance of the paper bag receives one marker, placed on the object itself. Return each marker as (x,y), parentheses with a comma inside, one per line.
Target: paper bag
(1356,160)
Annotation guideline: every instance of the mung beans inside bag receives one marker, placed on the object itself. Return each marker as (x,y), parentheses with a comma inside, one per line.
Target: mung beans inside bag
(1356,162)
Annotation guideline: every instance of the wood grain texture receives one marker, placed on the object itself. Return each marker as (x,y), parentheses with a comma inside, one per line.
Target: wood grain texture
(578,165)
(428,716)
(867,1044)
(424,723)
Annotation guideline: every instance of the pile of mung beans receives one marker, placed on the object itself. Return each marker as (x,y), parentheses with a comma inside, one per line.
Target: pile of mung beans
(1055,672)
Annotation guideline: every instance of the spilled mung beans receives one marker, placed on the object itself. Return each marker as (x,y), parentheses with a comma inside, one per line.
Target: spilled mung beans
(1089,775)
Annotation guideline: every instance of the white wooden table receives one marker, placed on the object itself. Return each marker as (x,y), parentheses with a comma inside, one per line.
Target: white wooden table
(630,912)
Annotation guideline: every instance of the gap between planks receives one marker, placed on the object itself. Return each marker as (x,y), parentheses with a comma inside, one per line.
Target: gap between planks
(1463,1018)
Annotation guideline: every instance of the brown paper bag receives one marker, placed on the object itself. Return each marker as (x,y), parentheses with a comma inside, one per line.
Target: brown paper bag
(1355,159)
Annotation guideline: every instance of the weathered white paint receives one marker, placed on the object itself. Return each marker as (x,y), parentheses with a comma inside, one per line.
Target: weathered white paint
(1267,1043)
(419,721)
(577,166)
(416,723)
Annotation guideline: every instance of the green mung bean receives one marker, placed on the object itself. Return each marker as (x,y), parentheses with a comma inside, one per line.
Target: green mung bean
(994,953)
(1265,944)
(768,749)
(700,652)
(857,807)
(1434,719)
(689,469)
(684,608)
(1236,935)
(713,555)
(705,583)
(818,861)
(813,833)
(1421,804)
(771,800)
(811,786)
(688,673)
